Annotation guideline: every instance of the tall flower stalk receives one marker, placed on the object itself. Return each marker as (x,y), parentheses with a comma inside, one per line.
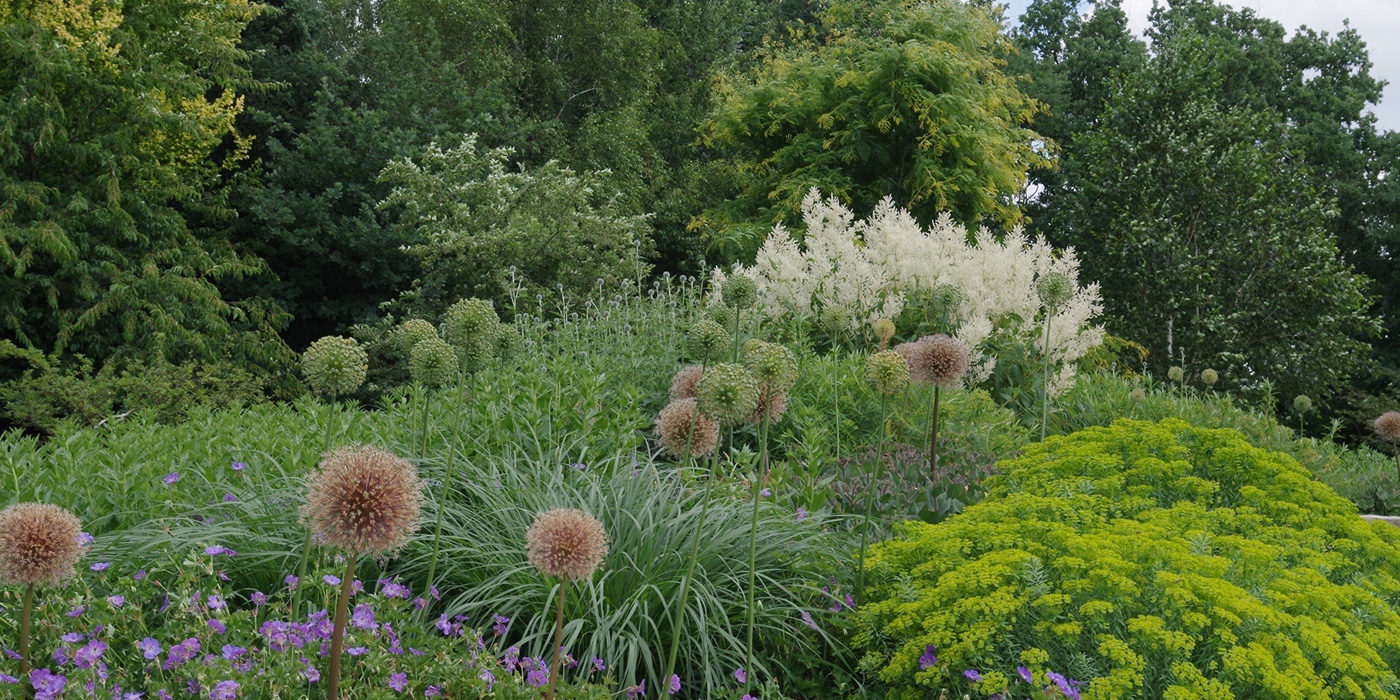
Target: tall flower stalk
(887,373)
(941,361)
(566,544)
(39,544)
(1388,427)
(442,500)
(362,500)
(1054,290)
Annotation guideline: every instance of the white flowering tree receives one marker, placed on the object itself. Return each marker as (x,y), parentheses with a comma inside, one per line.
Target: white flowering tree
(845,274)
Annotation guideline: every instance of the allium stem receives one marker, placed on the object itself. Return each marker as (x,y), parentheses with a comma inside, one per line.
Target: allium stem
(24,638)
(556,669)
(442,506)
(737,312)
(753,532)
(306,543)
(870,500)
(678,619)
(424,452)
(933,438)
(1045,382)
(338,634)
(1397,459)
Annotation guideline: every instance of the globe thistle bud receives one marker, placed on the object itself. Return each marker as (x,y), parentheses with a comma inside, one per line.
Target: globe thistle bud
(566,543)
(415,331)
(887,373)
(508,342)
(946,299)
(432,362)
(673,429)
(771,364)
(38,544)
(1137,395)
(727,392)
(683,384)
(938,359)
(1209,377)
(739,292)
(363,499)
(1176,374)
(1388,426)
(1054,289)
(884,330)
(707,341)
(1302,404)
(772,402)
(469,320)
(334,366)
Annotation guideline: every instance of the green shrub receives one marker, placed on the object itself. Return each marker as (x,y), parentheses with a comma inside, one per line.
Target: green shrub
(1149,560)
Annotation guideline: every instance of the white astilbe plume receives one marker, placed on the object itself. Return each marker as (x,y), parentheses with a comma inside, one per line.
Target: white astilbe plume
(848,273)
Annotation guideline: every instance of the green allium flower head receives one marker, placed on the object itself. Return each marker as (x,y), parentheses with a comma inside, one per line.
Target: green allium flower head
(771,364)
(432,362)
(1137,395)
(1054,289)
(509,342)
(727,392)
(946,299)
(334,366)
(1209,377)
(1176,374)
(415,331)
(468,319)
(887,373)
(739,292)
(721,314)
(707,341)
(1302,404)
(476,353)
(884,330)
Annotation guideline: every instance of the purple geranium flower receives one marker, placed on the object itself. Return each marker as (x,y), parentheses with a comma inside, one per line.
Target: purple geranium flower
(331,580)
(291,581)
(149,648)
(77,611)
(239,466)
(807,618)
(741,675)
(801,513)
(357,651)
(47,684)
(398,682)
(116,601)
(217,626)
(675,684)
(100,566)
(391,589)
(89,654)
(217,550)
(259,599)
(929,659)
(229,498)
(1024,673)
(171,478)
(232,652)
(84,539)
(501,622)
(224,690)
(972,675)
(216,602)
(638,690)
(363,617)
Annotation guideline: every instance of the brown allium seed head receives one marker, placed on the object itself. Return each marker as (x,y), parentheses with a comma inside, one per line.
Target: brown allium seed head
(1388,426)
(38,544)
(683,384)
(566,543)
(774,402)
(674,423)
(938,359)
(364,499)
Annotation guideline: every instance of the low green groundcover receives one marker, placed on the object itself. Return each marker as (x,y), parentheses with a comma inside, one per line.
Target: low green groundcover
(1142,560)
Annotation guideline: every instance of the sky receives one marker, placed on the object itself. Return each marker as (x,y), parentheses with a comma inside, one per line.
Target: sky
(1377,21)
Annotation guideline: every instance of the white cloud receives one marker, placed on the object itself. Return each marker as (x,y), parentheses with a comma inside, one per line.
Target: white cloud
(1377,21)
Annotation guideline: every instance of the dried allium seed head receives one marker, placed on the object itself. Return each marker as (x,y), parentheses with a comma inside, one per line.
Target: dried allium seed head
(938,359)
(363,499)
(415,331)
(1388,426)
(38,544)
(334,366)
(884,330)
(727,392)
(774,402)
(887,373)
(1176,374)
(1054,289)
(683,384)
(1302,404)
(432,362)
(674,423)
(739,292)
(707,341)
(771,364)
(1137,395)
(566,543)
(1209,377)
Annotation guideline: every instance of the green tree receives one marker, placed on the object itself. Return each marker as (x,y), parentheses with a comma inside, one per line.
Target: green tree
(117,122)
(1200,221)
(880,97)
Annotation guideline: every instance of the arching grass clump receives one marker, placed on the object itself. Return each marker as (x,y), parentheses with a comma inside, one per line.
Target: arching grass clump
(1146,560)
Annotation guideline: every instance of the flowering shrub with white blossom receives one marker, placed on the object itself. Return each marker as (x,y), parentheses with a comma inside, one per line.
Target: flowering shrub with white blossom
(844,275)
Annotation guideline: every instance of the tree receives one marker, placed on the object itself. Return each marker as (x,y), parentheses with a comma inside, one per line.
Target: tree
(881,97)
(116,123)
(1212,245)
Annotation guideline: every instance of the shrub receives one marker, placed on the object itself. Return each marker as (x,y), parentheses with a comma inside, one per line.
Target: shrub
(1149,560)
